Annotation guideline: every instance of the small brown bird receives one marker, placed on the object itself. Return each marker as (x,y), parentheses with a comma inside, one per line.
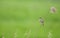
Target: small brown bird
(53,9)
(41,21)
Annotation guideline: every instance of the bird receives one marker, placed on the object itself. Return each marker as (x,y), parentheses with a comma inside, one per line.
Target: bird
(41,20)
(53,9)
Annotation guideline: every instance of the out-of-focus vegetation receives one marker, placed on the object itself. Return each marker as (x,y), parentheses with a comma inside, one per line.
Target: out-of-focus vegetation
(23,15)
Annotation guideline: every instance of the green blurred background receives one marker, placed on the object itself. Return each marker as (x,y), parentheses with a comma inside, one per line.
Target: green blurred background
(23,15)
